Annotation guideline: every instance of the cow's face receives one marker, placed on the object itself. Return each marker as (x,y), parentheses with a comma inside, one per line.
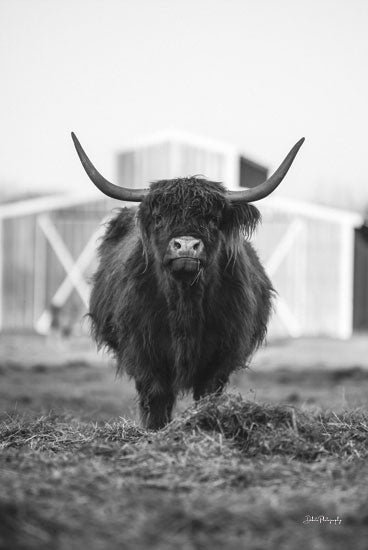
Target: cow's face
(186,222)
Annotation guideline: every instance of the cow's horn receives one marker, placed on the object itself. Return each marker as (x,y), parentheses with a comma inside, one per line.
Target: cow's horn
(265,188)
(110,189)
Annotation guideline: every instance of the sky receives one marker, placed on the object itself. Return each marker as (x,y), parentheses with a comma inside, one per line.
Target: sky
(258,74)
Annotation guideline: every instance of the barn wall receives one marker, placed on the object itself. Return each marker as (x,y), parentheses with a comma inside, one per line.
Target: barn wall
(193,161)
(18,272)
(170,160)
(308,278)
(139,167)
(32,272)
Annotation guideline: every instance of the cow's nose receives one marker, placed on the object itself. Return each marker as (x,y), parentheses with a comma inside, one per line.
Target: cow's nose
(182,246)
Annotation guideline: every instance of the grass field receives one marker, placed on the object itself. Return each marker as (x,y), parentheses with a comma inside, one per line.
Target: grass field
(244,470)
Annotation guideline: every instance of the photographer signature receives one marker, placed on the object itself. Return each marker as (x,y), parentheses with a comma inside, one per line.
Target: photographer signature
(322,520)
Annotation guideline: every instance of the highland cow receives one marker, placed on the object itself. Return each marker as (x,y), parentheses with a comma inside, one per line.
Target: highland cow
(180,296)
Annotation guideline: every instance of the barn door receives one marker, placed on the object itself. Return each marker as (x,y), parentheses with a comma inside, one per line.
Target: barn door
(65,248)
(360,311)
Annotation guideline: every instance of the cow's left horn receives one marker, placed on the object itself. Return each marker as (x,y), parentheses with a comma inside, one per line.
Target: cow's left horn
(110,189)
(266,188)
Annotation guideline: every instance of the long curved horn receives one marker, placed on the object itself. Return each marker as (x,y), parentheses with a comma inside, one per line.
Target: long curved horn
(265,188)
(110,189)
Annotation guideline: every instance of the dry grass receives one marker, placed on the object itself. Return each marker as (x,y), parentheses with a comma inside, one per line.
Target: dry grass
(232,473)
(227,473)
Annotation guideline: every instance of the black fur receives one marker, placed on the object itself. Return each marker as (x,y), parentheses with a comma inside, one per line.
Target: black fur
(173,335)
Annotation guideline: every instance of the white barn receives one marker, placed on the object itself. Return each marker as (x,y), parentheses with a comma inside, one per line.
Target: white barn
(48,244)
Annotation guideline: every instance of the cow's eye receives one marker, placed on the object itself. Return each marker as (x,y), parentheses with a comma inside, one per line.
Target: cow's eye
(158,220)
(212,219)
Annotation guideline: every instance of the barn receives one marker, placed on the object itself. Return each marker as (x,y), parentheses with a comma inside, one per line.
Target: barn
(316,256)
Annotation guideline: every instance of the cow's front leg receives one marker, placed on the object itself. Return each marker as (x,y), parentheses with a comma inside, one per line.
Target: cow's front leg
(155,405)
(206,386)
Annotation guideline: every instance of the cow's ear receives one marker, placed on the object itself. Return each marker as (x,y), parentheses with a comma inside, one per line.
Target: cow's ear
(239,218)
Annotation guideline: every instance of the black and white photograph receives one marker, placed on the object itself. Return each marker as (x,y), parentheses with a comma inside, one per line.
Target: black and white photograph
(183,275)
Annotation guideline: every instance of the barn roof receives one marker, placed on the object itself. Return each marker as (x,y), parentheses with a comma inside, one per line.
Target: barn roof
(48,203)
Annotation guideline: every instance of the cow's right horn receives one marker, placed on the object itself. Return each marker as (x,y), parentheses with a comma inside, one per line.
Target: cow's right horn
(264,189)
(110,189)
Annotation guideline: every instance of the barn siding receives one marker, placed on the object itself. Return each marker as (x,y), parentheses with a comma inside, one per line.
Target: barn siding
(193,161)
(39,274)
(169,160)
(18,272)
(140,167)
(309,277)
(31,270)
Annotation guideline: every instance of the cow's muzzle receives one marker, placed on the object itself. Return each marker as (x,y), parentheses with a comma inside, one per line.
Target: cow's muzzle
(185,254)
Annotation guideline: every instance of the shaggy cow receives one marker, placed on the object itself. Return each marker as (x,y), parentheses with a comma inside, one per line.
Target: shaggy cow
(180,296)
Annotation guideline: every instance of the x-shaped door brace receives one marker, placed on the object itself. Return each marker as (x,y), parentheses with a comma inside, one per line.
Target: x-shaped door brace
(273,263)
(74,268)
